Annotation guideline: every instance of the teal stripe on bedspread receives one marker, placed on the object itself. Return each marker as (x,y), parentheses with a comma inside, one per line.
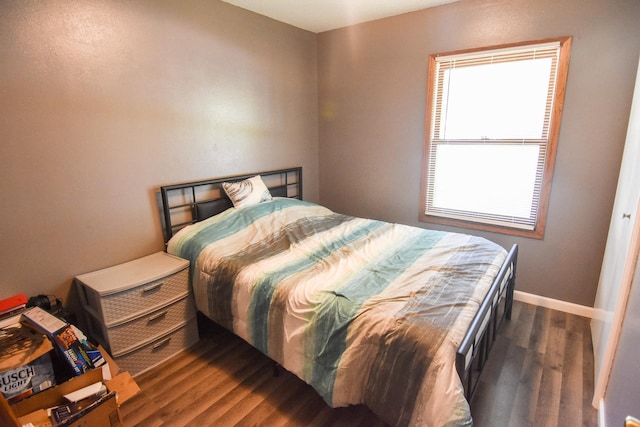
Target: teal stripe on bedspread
(222,280)
(191,241)
(339,309)
(263,291)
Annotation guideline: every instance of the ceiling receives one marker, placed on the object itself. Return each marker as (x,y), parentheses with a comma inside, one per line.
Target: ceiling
(323,15)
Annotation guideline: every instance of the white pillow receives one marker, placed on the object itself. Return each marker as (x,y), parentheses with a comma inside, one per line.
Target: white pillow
(248,192)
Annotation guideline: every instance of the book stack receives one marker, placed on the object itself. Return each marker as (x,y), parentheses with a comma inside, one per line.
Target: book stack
(68,340)
(11,309)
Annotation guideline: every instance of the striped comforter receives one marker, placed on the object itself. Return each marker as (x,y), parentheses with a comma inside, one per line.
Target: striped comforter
(364,311)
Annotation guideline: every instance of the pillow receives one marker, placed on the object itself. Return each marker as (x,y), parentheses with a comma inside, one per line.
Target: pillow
(248,192)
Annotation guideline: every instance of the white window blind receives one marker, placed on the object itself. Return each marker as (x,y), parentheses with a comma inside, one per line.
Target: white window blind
(490,117)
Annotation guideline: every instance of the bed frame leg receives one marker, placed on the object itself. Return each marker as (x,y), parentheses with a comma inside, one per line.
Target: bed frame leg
(509,299)
(511,286)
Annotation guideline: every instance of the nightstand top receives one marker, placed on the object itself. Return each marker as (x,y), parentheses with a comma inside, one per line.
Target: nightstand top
(133,273)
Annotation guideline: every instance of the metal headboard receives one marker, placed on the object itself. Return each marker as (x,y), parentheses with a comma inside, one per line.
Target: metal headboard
(189,202)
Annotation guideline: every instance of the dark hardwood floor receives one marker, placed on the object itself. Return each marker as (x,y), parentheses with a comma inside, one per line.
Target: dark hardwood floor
(540,373)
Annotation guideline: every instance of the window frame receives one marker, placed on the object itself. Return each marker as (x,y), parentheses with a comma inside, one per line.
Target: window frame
(551,147)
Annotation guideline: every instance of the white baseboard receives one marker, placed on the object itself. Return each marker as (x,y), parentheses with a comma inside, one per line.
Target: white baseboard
(567,307)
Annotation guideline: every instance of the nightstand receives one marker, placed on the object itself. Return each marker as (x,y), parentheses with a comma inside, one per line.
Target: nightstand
(141,311)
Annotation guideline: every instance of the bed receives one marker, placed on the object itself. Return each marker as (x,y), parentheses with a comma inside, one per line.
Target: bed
(398,318)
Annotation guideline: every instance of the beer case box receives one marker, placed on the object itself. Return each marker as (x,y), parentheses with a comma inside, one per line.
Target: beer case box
(121,387)
(26,369)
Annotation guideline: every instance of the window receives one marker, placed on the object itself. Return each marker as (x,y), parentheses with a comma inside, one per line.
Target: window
(492,124)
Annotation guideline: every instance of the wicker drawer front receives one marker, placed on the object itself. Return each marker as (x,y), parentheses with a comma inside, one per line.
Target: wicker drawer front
(134,302)
(131,334)
(152,354)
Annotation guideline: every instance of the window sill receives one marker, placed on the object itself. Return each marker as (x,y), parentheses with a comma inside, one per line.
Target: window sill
(538,233)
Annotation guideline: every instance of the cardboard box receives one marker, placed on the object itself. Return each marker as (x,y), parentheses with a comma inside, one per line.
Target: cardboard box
(120,385)
(25,363)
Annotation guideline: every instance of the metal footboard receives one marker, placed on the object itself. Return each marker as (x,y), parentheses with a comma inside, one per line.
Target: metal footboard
(474,349)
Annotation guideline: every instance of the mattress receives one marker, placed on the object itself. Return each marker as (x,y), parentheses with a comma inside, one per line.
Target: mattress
(365,311)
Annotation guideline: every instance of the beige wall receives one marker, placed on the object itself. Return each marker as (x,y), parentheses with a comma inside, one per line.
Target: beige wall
(103,101)
(372,90)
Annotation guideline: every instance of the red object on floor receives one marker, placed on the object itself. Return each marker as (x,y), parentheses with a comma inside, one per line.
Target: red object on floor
(10,303)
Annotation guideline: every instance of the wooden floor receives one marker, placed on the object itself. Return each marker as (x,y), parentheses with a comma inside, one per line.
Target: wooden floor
(540,373)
